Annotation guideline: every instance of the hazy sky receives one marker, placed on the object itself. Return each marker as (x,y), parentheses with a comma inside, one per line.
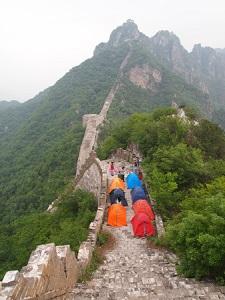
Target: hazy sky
(43,39)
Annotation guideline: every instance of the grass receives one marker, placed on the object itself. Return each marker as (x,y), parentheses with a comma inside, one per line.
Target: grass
(105,242)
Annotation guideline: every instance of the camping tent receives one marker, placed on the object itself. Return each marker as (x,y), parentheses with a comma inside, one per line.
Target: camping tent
(142,226)
(116,183)
(142,206)
(133,181)
(138,193)
(117,215)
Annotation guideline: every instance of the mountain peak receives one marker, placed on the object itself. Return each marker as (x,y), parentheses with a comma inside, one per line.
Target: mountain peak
(128,31)
(165,38)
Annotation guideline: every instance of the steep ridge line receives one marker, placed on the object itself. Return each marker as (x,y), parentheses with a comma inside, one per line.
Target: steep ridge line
(131,271)
(94,121)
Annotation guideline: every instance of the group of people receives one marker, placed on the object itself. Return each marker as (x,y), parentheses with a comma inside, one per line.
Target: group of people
(121,172)
(142,221)
(117,186)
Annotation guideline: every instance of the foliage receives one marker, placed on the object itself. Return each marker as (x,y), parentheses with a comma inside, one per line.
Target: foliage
(198,235)
(211,139)
(68,225)
(184,166)
(133,98)
(40,140)
(40,146)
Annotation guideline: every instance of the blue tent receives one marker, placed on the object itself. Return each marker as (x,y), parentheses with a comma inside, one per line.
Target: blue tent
(133,181)
(138,193)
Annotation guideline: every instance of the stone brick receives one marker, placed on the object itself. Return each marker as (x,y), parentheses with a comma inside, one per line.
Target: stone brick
(10,278)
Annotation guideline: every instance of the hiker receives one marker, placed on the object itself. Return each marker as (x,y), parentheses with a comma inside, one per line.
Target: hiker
(112,169)
(118,195)
(121,173)
(140,175)
(138,161)
(135,168)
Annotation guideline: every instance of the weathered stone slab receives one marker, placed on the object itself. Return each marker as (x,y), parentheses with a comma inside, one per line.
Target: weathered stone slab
(10,278)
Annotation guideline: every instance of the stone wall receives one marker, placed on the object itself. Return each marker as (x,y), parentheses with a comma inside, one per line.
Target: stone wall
(93,122)
(51,271)
(90,175)
(127,154)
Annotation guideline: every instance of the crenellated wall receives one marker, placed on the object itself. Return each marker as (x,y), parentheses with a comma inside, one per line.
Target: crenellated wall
(93,122)
(52,270)
(90,175)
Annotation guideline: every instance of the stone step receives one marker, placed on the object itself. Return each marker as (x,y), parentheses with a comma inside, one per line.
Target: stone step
(132,271)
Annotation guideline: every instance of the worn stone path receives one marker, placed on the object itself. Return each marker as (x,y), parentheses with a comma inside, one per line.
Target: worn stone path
(134,271)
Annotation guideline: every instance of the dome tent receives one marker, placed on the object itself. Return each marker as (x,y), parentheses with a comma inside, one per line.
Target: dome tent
(138,193)
(142,225)
(142,206)
(117,215)
(133,181)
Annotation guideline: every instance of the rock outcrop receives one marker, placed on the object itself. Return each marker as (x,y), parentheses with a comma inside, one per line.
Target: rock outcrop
(145,77)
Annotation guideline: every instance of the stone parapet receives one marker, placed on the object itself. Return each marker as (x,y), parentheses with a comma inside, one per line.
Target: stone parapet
(86,249)
(51,271)
(90,175)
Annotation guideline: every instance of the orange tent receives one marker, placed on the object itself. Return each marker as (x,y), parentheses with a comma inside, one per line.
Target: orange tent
(116,183)
(117,215)
(142,206)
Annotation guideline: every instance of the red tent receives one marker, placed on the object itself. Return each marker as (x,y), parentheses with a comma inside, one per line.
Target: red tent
(142,225)
(142,206)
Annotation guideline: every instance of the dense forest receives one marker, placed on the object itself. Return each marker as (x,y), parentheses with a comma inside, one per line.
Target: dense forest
(184,165)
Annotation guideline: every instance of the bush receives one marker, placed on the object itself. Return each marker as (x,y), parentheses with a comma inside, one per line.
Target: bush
(199,240)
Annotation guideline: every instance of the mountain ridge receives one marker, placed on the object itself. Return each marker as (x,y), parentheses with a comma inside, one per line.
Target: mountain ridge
(41,138)
(39,131)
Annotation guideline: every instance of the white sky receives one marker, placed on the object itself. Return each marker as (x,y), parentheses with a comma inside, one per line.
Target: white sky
(40,40)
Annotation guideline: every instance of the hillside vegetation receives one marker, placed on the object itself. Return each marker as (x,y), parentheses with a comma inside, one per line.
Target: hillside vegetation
(40,139)
(40,142)
(184,166)
(39,149)
(67,226)
(133,98)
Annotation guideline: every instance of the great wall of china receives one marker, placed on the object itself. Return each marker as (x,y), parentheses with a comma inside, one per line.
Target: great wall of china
(52,271)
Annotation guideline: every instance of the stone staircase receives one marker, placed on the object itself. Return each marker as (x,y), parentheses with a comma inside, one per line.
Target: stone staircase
(134,270)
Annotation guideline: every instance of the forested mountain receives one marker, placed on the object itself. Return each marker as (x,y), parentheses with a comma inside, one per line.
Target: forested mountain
(41,143)
(161,70)
(8,104)
(40,138)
